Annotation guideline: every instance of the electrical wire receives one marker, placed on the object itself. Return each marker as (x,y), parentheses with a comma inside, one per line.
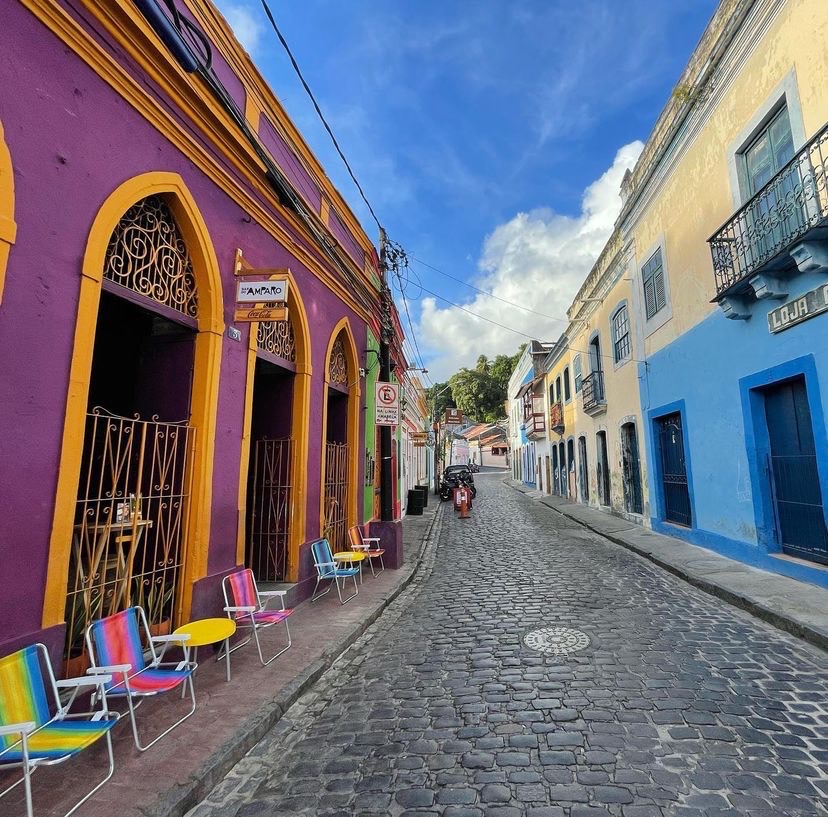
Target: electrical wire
(318,109)
(489,294)
(517,331)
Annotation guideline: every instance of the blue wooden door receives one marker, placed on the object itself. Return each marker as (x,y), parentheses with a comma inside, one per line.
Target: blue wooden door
(797,495)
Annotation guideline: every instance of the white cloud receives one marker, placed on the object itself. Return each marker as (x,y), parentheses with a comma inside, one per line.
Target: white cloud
(246,26)
(537,259)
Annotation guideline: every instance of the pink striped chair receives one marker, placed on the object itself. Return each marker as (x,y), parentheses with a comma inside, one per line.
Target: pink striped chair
(30,734)
(249,610)
(116,647)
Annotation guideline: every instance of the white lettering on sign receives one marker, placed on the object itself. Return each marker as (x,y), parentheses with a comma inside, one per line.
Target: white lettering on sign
(806,306)
(387,404)
(261,292)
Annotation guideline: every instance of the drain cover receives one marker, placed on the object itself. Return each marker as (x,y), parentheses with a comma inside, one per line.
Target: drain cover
(556,640)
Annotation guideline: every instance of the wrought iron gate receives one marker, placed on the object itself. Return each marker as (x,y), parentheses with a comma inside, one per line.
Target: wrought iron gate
(268,510)
(336,494)
(130,520)
(673,470)
(633,500)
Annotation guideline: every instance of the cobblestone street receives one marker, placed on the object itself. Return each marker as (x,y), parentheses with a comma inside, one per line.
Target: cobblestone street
(679,705)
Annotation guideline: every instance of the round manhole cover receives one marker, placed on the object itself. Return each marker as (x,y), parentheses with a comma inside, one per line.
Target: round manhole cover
(556,640)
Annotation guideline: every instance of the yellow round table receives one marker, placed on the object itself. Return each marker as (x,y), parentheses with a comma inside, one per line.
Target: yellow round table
(208,631)
(351,556)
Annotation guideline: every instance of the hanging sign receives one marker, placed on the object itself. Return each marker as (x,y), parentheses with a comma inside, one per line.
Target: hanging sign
(261,292)
(454,417)
(800,309)
(387,404)
(269,313)
(419,438)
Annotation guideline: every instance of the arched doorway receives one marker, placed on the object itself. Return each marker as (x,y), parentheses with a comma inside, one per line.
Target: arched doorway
(143,387)
(340,437)
(274,473)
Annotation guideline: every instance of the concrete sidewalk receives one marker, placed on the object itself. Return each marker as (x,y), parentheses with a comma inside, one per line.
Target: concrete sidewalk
(794,606)
(175,774)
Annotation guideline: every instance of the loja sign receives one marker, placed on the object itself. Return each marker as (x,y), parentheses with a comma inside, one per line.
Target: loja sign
(806,306)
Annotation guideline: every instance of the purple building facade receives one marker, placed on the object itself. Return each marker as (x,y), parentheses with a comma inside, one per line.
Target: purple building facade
(149,442)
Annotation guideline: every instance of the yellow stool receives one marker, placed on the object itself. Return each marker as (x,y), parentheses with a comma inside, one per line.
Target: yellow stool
(208,631)
(353,557)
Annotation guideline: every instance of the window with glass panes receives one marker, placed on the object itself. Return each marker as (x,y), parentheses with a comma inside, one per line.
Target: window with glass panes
(621,335)
(652,275)
(771,150)
(567,393)
(577,372)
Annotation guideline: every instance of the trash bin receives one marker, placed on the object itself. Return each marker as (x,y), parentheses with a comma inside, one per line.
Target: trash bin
(423,489)
(415,503)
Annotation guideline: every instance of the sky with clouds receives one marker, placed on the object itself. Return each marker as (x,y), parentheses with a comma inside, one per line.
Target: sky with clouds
(490,138)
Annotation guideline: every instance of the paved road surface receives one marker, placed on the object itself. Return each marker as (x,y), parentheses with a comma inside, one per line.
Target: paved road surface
(679,705)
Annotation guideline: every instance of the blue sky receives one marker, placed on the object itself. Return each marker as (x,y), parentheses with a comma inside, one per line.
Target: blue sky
(490,137)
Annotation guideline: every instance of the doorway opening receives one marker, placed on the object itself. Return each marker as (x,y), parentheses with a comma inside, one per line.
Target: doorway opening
(134,489)
(673,470)
(269,487)
(793,471)
(584,469)
(633,500)
(603,468)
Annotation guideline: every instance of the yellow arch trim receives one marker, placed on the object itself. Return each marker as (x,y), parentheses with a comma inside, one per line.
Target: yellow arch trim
(300,431)
(204,400)
(354,392)
(8,227)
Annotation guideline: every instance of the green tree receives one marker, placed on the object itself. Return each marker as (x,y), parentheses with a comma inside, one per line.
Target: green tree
(440,398)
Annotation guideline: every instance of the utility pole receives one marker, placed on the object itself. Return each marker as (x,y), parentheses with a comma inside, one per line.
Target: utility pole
(386,472)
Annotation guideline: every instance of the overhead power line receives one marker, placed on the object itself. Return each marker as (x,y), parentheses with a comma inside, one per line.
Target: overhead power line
(318,109)
(489,294)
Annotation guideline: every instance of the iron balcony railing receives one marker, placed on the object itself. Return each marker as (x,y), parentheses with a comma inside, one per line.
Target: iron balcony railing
(592,391)
(793,202)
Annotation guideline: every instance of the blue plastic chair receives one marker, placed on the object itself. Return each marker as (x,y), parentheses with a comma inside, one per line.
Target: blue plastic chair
(327,568)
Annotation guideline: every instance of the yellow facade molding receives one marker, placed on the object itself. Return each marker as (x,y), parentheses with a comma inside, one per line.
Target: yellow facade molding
(204,399)
(8,227)
(208,118)
(300,430)
(221,35)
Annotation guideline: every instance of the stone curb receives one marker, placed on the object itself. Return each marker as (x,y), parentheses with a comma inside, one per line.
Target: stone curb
(179,799)
(780,620)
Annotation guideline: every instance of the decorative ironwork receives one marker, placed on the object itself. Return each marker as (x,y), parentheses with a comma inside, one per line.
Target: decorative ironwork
(592,392)
(147,254)
(793,202)
(338,365)
(130,520)
(268,520)
(556,640)
(277,338)
(336,494)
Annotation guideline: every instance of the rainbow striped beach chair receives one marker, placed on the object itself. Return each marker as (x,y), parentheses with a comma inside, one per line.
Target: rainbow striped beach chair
(116,648)
(249,611)
(30,735)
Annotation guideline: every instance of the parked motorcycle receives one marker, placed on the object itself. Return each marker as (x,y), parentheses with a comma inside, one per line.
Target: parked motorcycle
(474,467)
(456,476)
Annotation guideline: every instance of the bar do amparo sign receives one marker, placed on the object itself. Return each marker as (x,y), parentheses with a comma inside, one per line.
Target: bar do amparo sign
(261,292)
(387,404)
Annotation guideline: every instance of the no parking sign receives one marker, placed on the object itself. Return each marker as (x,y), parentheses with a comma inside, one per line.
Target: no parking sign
(387,404)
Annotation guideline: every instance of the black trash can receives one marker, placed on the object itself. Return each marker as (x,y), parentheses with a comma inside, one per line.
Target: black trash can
(415,503)
(423,489)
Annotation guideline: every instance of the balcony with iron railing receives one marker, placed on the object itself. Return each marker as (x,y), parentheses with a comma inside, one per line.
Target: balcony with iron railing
(556,418)
(592,393)
(790,209)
